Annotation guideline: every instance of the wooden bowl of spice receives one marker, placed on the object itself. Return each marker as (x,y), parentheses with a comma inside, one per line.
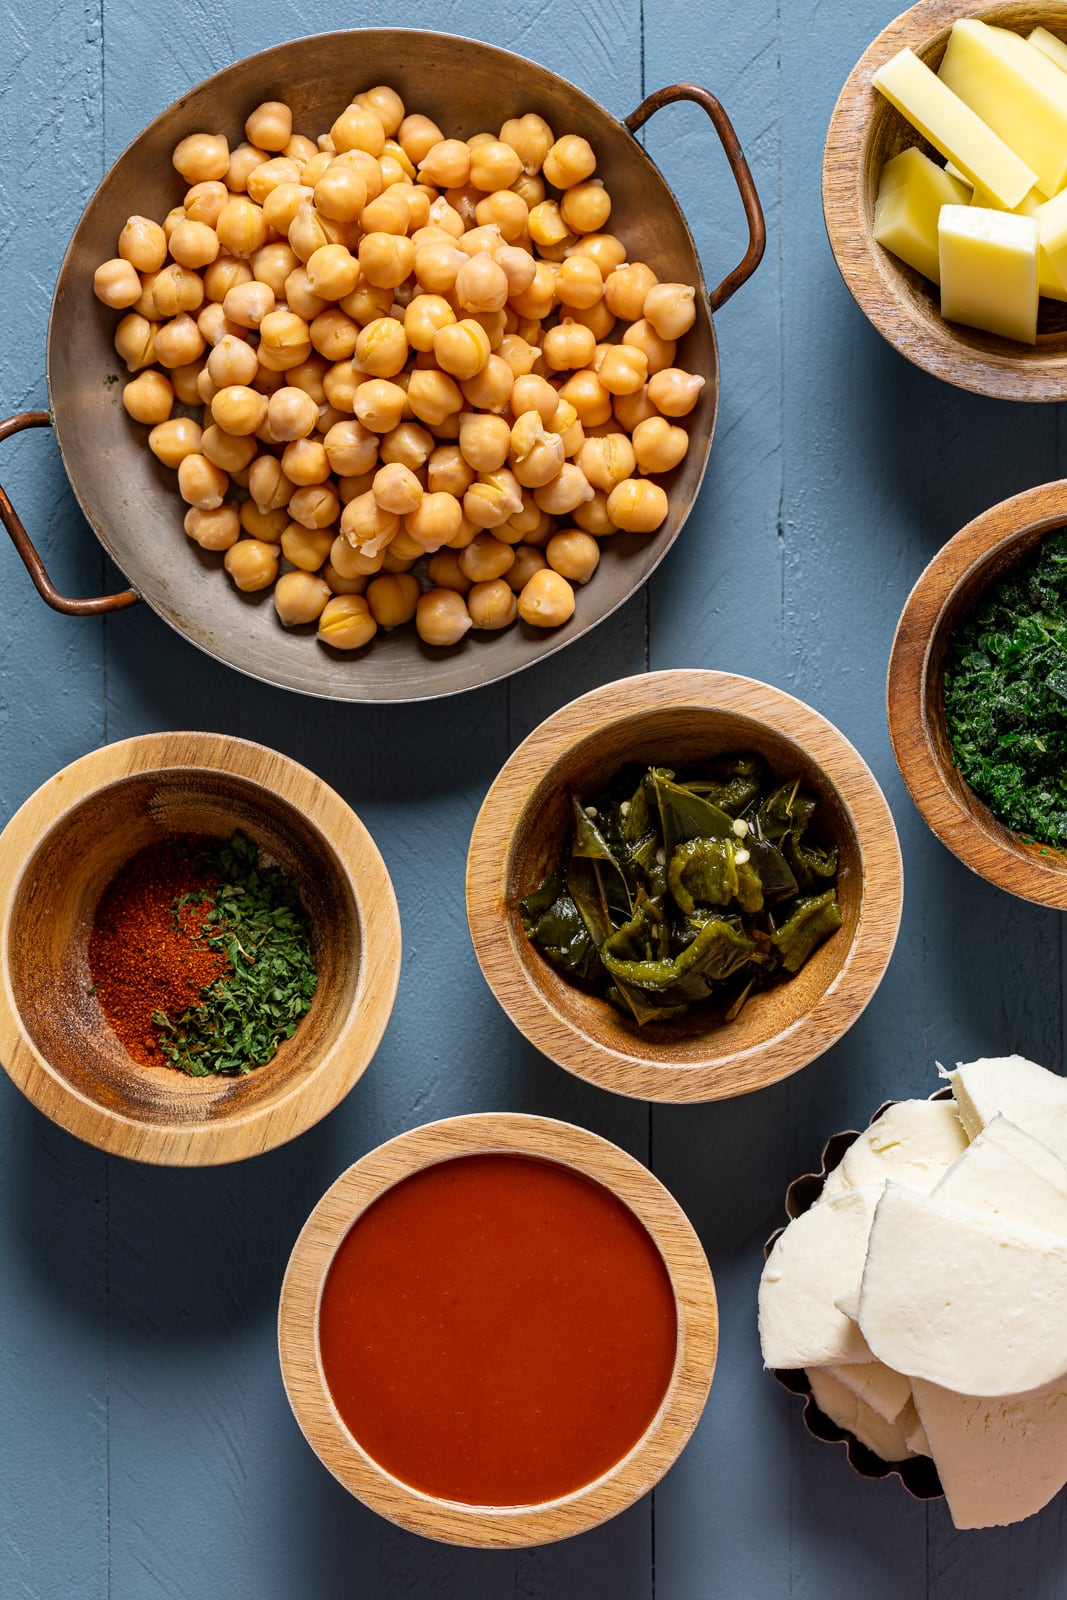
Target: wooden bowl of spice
(763,855)
(200,944)
(574,1330)
(976,691)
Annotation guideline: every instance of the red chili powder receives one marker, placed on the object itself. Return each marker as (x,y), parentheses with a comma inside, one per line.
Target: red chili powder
(141,959)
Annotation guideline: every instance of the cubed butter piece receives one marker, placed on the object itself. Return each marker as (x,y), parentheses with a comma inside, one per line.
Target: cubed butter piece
(911,192)
(953,128)
(1016,91)
(988,263)
(1051,48)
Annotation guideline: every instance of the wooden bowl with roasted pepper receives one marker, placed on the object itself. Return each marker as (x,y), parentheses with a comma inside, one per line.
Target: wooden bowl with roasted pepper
(976,692)
(684,886)
(200,948)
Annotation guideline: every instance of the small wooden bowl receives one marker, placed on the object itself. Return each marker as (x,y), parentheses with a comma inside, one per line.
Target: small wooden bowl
(865,132)
(542,1139)
(680,719)
(980,554)
(60,851)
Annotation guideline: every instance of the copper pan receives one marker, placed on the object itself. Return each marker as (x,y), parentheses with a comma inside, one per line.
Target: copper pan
(131,501)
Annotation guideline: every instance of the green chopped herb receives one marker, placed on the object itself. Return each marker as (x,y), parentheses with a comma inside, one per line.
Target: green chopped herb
(677,892)
(1006,695)
(257,922)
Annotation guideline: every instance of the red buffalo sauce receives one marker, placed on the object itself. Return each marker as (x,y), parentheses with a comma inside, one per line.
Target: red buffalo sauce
(497,1330)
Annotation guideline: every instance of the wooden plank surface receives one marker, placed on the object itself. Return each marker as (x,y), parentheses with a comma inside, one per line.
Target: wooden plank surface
(147,1451)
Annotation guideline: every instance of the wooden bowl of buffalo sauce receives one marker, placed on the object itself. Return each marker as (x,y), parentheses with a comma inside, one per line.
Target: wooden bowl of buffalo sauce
(498,1330)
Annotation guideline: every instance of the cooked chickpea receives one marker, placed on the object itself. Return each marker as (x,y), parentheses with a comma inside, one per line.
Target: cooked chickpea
(674,392)
(386,259)
(350,562)
(492,499)
(569,489)
(598,319)
(244,159)
(588,396)
(268,485)
(528,560)
(216,529)
(533,393)
(341,192)
(537,455)
(417,136)
(586,206)
(462,348)
(659,352)
(239,410)
(494,165)
(291,413)
(184,381)
(300,299)
(547,227)
(579,284)
(204,201)
(481,285)
(396,489)
(485,557)
(637,505)
(386,105)
(200,482)
(446,165)
(407,443)
(367,525)
(202,156)
(273,264)
(392,599)
(573,554)
(382,347)
(284,340)
(626,288)
(306,548)
(539,298)
(241,227)
(194,244)
(490,389)
(670,308)
(270,125)
(346,622)
(314,505)
(252,564)
(227,450)
(232,361)
(630,409)
(658,445)
(624,369)
(224,274)
(379,404)
(300,597)
(305,462)
(178,342)
(547,600)
(149,397)
(170,442)
(215,325)
(143,244)
(332,271)
(117,284)
(520,355)
(531,138)
(444,572)
(569,161)
(359,128)
(484,440)
(568,346)
(448,472)
(505,210)
(135,341)
(435,521)
(607,460)
(441,617)
(593,516)
(246,304)
(492,604)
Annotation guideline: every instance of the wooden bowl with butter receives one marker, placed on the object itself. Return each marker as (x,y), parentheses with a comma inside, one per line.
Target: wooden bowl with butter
(573,1320)
(66,845)
(865,132)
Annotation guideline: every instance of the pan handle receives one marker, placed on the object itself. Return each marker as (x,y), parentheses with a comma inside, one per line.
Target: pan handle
(31,560)
(757,228)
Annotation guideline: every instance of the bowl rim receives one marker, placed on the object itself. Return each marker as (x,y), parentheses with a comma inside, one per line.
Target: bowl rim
(952,811)
(541,1138)
(359,863)
(981,363)
(502,951)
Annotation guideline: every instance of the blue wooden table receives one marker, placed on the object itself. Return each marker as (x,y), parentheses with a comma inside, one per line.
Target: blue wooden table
(146,1448)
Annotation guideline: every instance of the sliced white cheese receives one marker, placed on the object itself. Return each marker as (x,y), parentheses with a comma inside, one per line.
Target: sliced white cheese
(998,1460)
(994,1175)
(878,1386)
(843,1406)
(913,1142)
(1028,1095)
(963,1299)
(819,1256)
(917,1442)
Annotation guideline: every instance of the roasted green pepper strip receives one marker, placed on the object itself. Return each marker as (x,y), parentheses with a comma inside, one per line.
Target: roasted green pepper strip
(718,950)
(813,919)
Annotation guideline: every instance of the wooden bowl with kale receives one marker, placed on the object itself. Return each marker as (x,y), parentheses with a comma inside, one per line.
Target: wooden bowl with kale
(977,695)
(684,886)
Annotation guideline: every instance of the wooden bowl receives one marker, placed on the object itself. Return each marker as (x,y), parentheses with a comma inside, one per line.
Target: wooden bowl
(865,132)
(545,1140)
(980,554)
(57,855)
(678,719)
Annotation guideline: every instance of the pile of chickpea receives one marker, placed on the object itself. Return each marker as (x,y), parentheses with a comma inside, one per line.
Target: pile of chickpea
(408,349)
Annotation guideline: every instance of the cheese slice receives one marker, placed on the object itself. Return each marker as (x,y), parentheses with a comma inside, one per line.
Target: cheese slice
(1051,48)
(988,262)
(966,1300)
(1027,1094)
(887,1439)
(914,1142)
(916,1439)
(911,191)
(953,128)
(1015,90)
(878,1386)
(998,1460)
(819,1256)
(1000,1173)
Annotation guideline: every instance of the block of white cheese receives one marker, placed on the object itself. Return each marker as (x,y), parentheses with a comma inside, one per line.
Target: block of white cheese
(998,1460)
(964,1299)
(1028,1095)
(1000,1173)
(1051,218)
(953,128)
(1015,90)
(819,1256)
(887,1439)
(913,1142)
(1052,48)
(878,1386)
(911,191)
(988,262)
(916,1439)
